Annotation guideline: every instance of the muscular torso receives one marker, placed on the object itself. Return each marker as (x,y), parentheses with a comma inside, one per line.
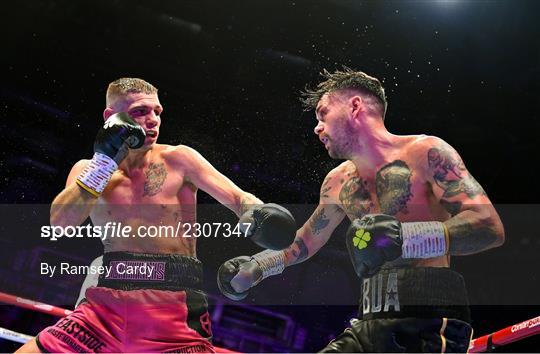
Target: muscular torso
(154,195)
(398,187)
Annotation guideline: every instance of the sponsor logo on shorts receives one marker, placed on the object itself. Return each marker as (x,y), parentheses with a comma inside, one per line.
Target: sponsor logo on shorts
(380,293)
(205,323)
(193,349)
(78,337)
(137,270)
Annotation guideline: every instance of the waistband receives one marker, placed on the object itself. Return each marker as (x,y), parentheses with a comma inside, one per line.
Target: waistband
(134,271)
(414,292)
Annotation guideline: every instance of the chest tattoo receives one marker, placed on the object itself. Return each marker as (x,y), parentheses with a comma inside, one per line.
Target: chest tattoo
(155,177)
(393,187)
(355,197)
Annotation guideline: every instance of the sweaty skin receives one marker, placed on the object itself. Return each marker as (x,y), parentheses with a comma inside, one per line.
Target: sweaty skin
(154,186)
(414,178)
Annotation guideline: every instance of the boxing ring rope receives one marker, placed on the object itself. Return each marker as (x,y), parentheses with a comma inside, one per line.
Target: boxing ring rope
(505,336)
(44,308)
(488,342)
(33,305)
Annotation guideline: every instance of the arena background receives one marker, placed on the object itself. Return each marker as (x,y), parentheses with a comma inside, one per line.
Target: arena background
(229,74)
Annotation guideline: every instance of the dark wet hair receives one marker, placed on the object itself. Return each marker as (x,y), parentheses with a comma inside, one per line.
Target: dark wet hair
(346,79)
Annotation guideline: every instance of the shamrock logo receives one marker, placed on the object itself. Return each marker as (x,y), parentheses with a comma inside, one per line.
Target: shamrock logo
(361,239)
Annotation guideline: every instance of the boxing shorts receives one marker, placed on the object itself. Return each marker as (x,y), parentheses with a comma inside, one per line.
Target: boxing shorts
(409,310)
(145,303)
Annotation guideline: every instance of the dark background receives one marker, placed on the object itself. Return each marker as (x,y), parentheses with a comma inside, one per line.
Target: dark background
(229,74)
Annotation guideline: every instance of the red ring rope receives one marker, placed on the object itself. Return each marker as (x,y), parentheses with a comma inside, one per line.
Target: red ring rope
(33,305)
(45,308)
(504,336)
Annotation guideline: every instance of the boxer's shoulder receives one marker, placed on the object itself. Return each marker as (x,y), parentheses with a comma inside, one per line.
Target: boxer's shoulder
(344,169)
(76,170)
(334,179)
(178,154)
(421,144)
(341,174)
(433,152)
(80,165)
(186,160)
(421,148)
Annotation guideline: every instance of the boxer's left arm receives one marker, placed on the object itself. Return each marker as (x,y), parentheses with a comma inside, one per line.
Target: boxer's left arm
(474,225)
(268,225)
(206,177)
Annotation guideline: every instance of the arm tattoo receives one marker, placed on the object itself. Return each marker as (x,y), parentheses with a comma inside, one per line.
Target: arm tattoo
(155,177)
(299,251)
(393,186)
(450,174)
(324,191)
(443,162)
(325,188)
(467,185)
(453,208)
(466,237)
(244,205)
(318,222)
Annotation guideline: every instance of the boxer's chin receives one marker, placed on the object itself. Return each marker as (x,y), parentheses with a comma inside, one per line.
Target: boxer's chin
(335,154)
(148,144)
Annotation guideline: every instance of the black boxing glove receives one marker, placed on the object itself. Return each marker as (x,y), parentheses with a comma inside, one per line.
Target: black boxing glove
(372,241)
(227,272)
(118,134)
(378,238)
(238,275)
(270,226)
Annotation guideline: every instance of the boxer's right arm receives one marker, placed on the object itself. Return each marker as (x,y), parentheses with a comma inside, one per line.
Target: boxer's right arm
(88,178)
(73,204)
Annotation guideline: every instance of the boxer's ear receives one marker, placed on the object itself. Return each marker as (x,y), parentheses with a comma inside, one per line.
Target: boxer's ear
(356,105)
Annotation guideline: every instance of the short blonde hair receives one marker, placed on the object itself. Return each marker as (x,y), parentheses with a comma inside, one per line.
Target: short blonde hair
(125,85)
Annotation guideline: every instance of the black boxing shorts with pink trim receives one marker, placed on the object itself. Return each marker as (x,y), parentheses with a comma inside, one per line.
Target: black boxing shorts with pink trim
(409,310)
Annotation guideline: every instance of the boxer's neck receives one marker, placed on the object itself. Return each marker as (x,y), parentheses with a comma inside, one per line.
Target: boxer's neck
(375,146)
(136,159)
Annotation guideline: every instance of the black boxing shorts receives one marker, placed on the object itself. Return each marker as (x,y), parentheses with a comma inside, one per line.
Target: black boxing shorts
(409,310)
